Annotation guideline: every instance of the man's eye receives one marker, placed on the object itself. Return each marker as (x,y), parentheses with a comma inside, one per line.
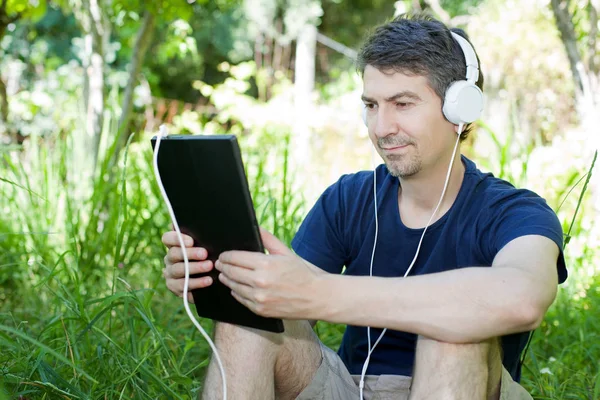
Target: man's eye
(370,106)
(403,105)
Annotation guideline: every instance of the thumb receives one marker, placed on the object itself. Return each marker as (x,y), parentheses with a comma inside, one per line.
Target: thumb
(274,245)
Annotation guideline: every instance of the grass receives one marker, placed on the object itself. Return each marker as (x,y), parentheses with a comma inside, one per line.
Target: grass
(84,313)
(564,359)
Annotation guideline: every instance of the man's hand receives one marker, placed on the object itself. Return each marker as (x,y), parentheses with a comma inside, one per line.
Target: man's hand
(279,285)
(174,271)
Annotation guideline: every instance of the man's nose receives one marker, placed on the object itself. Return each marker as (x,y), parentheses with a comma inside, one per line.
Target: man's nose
(385,122)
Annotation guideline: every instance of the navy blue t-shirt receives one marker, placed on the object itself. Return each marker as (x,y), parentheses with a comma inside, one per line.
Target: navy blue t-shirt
(487,214)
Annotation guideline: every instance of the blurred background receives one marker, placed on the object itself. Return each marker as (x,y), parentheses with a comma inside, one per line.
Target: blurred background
(84,85)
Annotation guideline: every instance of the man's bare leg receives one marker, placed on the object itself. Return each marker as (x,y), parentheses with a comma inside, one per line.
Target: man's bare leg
(457,371)
(262,365)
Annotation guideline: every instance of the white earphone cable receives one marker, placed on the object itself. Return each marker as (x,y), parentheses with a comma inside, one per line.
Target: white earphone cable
(371,349)
(376,228)
(162,133)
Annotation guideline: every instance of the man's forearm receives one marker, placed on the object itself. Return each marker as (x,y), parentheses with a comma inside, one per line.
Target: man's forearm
(459,306)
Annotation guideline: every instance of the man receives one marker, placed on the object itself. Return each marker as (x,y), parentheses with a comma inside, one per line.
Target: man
(485,275)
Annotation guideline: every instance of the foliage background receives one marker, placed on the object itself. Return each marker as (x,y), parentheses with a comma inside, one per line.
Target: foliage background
(84,85)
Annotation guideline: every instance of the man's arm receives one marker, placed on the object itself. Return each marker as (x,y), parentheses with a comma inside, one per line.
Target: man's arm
(459,306)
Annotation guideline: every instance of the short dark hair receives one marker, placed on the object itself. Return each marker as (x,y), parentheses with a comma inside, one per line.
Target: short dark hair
(417,43)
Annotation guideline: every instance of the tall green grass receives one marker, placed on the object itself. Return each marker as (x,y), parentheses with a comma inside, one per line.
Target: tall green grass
(564,362)
(564,359)
(84,311)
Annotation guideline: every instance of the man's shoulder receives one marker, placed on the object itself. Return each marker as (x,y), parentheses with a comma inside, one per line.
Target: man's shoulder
(491,191)
(497,213)
(494,205)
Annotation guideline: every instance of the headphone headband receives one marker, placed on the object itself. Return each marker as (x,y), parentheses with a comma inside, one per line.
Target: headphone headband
(470,57)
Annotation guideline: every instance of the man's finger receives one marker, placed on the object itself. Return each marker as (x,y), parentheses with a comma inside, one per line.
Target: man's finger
(245,259)
(238,274)
(198,283)
(176,285)
(175,254)
(241,289)
(177,271)
(243,301)
(190,297)
(171,239)
(274,245)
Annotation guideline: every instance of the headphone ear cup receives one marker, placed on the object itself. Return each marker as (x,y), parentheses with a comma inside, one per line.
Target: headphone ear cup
(463,103)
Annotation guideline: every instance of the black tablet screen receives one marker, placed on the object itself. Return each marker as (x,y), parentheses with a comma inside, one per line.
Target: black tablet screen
(206,184)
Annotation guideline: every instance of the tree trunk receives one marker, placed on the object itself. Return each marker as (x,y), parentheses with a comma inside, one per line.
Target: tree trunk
(585,78)
(142,43)
(565,26)
(95,98)
(3,103)
(439,10)
(5,20)
(96,28)
(592,48)
(304,84)
(584,74)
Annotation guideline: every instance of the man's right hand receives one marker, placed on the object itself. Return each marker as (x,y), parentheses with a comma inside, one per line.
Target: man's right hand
(174,271)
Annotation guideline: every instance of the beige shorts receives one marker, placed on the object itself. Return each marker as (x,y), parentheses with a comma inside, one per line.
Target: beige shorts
(332,381)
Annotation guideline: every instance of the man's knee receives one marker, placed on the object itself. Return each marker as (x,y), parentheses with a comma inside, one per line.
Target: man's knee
(292,357)
(235,335)
(297,348)
(486,355)
(487,351)
(451,369)
(252,359)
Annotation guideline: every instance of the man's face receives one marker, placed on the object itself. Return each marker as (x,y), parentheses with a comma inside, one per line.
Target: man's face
(405,121)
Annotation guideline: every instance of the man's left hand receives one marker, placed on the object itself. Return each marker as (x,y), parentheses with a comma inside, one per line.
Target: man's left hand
(279,284)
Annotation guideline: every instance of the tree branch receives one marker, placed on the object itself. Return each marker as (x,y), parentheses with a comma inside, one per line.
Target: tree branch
(15,18)
(3,103)
(439,10)
(88,13)
(444,16)
(593,13)
(460,20)
(5,19)
(142,43)
(565,26)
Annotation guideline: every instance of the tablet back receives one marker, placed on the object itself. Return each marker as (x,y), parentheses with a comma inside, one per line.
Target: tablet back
(206,184)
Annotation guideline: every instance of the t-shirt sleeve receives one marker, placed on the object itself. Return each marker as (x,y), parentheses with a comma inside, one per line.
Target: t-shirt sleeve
(523,213)
(320,239)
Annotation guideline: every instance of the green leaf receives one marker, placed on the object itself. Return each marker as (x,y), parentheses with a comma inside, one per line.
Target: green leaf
(29,9)
(22,187)
(46,349)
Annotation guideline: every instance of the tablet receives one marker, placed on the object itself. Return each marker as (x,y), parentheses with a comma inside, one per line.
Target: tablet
(205,182)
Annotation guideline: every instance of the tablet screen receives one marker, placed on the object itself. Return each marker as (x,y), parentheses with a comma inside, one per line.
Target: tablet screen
(205,182)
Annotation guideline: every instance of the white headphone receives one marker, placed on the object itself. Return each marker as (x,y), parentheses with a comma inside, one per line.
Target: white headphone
(463,102)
